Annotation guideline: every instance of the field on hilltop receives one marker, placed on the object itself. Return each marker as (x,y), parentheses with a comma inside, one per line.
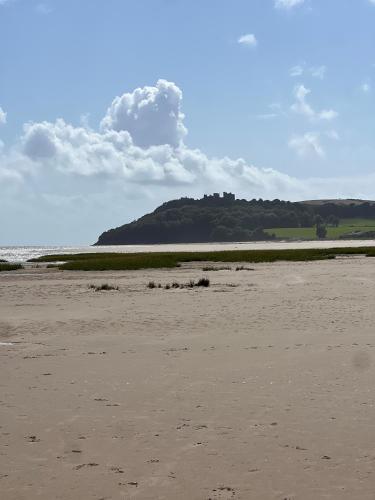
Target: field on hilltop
(309,233)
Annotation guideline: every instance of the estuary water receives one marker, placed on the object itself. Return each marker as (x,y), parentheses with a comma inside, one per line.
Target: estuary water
(24,253)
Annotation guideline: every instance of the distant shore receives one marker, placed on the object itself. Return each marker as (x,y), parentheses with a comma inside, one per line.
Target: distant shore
(24,253)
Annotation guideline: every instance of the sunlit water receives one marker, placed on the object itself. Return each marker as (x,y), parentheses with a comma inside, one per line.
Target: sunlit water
(22,254)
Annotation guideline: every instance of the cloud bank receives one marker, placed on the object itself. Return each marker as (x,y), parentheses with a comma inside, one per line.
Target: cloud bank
(140,142)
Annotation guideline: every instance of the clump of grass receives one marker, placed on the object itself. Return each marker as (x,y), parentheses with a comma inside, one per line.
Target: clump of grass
(212,268)
(104,287)
(243,268)
(205,282)
(10,267)
(152,285)
(51,266)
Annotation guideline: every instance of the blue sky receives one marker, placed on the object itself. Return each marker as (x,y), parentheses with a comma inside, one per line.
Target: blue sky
(271,98)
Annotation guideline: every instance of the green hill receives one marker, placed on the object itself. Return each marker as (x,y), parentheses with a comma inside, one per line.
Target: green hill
(223,218)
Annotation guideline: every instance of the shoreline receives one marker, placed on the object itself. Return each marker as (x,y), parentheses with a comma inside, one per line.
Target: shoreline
(23,253)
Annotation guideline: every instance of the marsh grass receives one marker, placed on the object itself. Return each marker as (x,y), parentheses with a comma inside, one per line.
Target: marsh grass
(243,268)
(105,287)
(121,261)
(10,267)
(212,268)
(203,282)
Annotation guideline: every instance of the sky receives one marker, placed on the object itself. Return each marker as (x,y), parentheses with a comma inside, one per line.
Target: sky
(110,107)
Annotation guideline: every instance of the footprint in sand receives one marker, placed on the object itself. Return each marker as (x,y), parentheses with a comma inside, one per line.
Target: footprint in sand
(361,361)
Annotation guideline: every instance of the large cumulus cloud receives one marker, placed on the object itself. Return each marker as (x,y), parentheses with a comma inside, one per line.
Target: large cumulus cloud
(152,115)
(84,152)
(141,140)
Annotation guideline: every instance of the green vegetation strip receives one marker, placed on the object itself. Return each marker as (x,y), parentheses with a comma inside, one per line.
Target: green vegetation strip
(346,226)
(132,261)
(9,267)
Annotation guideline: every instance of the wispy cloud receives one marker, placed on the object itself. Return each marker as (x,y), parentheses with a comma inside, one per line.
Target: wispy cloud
(249,40)
(303,69)
(302,107)
(333,134)
(307,145)
(366,86)
(3,117)
(288,4)
(297,70)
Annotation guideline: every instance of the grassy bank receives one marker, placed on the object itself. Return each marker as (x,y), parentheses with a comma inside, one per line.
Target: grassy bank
(9,267)
(132,261)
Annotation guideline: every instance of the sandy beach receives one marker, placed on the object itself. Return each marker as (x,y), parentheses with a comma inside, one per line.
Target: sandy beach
(258,387)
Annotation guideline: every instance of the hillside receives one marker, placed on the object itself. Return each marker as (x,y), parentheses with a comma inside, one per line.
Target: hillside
(343,202)
(224,218)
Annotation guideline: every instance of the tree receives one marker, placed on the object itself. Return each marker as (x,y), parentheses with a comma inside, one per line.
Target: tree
(333,220)
(321,231)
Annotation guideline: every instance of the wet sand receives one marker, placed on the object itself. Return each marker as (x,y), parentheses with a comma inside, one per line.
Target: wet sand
(259,387)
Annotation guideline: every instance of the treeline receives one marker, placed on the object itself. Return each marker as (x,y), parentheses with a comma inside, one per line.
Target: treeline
(363,210)
(214,219)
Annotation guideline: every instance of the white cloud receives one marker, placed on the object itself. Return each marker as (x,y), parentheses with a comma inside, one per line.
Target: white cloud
(302,107)
(3,117)
(288,4)
(307,144)
(141,142)
(152,115)
(303,69)
(333,134)
(318,72)
(366,87)
(118,153)
(296,70)
(248,40)
(78,151)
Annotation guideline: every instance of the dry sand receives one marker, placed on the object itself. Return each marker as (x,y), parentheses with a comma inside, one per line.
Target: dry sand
(262,390)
